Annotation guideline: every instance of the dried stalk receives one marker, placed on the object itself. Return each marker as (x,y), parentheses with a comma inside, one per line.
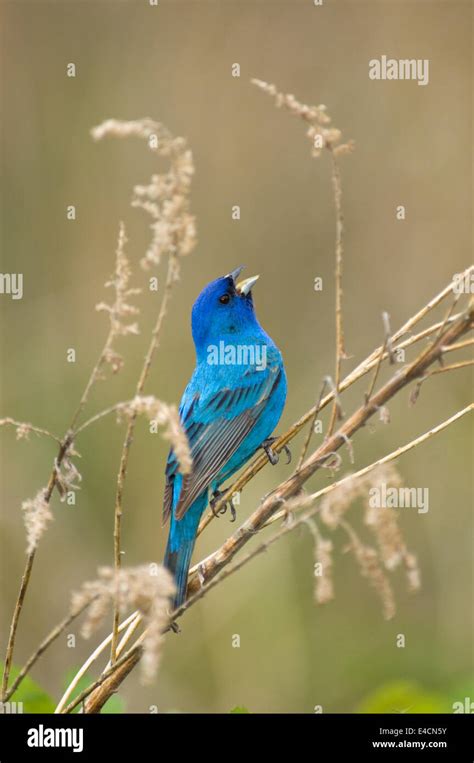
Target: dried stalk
(155,337)
(452,367)
(26,579)
(460,345)
(307,441)
(85,667)
(23,428)
(340,351)
(386,344)
(50,639)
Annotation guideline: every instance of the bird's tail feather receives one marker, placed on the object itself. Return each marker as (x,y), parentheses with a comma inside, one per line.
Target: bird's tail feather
(181,540)
(178,562)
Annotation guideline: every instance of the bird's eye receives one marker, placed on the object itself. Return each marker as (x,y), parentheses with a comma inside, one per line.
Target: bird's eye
(224,299)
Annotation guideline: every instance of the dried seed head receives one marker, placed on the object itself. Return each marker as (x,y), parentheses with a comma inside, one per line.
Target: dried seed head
(36,515)
(371,568)
(323,564)
(412,572)
(166,197)
(382,521)
(23,431)
(335,504)
(318,133)
(147,588)
(323,584)
(121,308)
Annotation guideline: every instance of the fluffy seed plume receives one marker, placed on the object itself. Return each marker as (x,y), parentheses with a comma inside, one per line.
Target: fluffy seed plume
(319,132)
(371,568)
(323,563)
(121,309)
(147,588)
(412,572)
(382,522)
(22,428)
(36,515)
(68,477)
(334,505)
(300,501)
(23,431)
(166,197)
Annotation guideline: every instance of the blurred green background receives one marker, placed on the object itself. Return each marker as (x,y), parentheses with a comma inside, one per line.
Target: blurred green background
(173,63)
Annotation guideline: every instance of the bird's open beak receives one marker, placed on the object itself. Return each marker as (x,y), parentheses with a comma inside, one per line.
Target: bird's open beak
(234,274)
(244,287)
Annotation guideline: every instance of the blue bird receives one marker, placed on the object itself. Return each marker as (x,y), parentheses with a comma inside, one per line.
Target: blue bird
(229,409)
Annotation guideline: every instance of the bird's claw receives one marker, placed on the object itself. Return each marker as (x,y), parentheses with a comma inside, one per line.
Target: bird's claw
(215,498)
(272,456)
(213,501)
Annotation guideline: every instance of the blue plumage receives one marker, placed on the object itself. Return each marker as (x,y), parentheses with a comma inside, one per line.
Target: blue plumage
(231,405)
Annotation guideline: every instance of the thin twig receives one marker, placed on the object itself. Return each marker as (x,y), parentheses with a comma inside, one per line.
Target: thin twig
(317,408)
(90,661)
(155,337)
(113,673)
(14,623)
(25,579)
(386,346)
(452,367)
(340,351)
(460,345)
(50,638)
(24,427)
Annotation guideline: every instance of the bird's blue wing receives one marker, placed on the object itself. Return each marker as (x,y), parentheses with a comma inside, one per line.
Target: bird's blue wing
(216,426)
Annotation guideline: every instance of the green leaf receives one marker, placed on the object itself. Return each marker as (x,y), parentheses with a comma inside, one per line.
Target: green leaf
(240,709)
(403,697)
(34,698)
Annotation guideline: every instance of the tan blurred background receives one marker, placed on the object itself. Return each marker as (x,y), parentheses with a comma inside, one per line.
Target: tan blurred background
(173,63)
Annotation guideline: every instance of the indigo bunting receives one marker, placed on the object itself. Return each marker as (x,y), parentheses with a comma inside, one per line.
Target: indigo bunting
(229,409)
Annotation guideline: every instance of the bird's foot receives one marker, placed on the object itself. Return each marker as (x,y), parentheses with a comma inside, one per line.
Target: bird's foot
(228,504)
(272,456)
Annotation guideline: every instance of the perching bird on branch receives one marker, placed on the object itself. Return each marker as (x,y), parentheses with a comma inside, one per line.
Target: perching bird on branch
(229,409)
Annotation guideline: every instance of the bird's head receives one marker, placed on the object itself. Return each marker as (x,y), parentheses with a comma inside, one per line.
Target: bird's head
(223,308)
